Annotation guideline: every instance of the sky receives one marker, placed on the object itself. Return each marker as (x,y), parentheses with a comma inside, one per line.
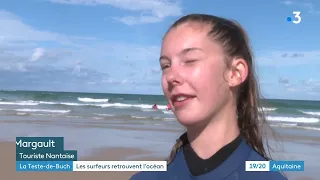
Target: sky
(113,46)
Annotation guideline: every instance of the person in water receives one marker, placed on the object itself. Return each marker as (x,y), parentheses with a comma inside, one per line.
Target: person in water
(208,78)
(168,107)
(155,106)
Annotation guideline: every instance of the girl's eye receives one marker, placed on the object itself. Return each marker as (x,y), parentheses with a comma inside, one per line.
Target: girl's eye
(165,66)
(190,61)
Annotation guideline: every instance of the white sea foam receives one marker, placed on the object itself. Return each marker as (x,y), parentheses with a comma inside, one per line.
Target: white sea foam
(109,115)
(316,113)
(295,126)
(20,103)
(267,109)
(122,105)
(284,125)
(139,117)
(21,114)
(167,112)
(293,119)
(62,103)
(51,103)
(148,110)
(169,119)
(144,107)
(86,99)
(99,118)
(43,110)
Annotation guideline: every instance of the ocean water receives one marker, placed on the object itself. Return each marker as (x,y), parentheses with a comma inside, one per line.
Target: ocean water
(129,107)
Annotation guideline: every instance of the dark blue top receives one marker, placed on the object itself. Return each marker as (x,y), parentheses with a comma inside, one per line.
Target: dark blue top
(233,168)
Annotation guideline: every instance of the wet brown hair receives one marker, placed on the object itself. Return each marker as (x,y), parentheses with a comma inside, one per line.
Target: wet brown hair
(234,40)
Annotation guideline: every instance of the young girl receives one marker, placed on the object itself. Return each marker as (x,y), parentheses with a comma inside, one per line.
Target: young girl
(208,78)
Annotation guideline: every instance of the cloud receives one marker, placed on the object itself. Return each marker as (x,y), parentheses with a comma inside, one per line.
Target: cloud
(26,57)
(310,82)
(18,38)
(149,11)
(308,86)
(118,57)
(283,81)
(132,20)
(118,81)
(287,2)
(310,7)
(21,67)
(49,54)
(15,56)
(13,29)
(156,70)
(37,54)
(77,69)
(290,58)
(292,55)
(48,78)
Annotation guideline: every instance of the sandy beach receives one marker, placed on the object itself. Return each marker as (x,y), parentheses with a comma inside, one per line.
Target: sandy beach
(130,141)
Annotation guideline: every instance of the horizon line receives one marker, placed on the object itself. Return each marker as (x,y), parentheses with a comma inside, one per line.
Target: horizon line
(14,90)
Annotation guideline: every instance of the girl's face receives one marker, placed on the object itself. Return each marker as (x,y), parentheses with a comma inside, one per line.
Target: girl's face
(193,70)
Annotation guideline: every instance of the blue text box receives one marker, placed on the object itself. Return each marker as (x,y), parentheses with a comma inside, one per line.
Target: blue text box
(40,166)
(286,165)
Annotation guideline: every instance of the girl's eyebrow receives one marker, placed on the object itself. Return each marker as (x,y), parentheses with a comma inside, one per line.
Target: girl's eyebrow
(184,51)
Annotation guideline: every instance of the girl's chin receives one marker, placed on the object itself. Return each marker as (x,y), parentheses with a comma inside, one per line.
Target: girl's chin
(188,121)
(190,118)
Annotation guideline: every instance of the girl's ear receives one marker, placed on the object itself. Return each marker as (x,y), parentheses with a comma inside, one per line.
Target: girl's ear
(238,72)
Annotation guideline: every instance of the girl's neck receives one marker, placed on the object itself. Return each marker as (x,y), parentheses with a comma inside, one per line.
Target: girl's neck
(221,130)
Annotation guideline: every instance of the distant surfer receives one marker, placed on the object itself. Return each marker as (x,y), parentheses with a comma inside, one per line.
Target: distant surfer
(168,107)
(155,106)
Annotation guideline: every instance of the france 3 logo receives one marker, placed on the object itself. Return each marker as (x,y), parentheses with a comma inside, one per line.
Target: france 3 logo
(296,19)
